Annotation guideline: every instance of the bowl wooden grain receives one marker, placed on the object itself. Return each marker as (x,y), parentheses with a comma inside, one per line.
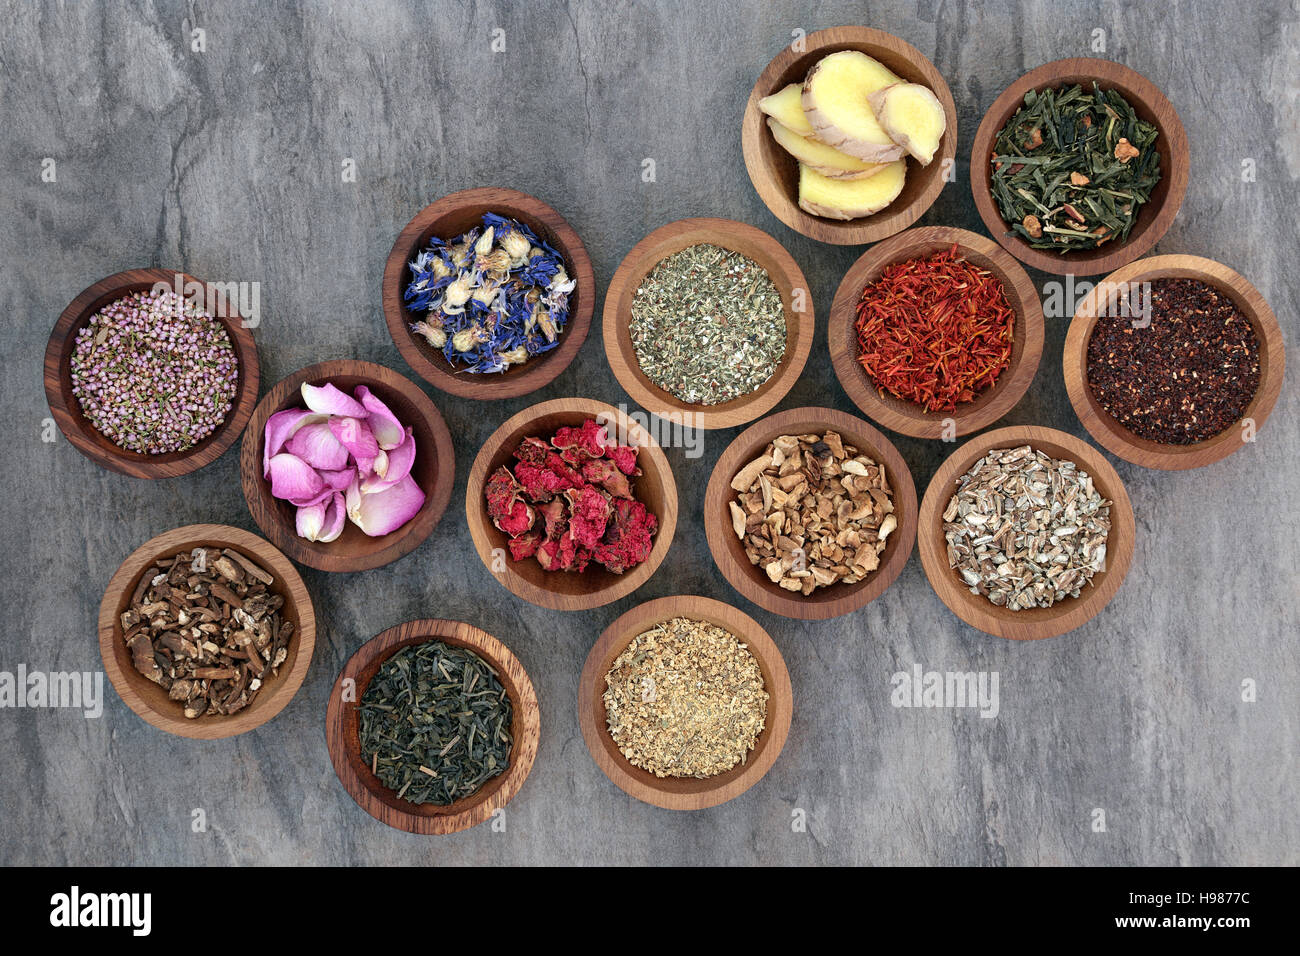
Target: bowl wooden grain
(1112,435)
(85,437)
(560,590)
(342,730)
(353,550)
(148,699)
(757,245)
(775,173)
(450,217)
(749,579)
(684,793)
(1154,218)
(907,417)
(1040,622)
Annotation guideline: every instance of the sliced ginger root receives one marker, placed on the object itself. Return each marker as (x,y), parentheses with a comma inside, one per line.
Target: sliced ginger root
(912,116)
(820,157)
(850,198)
(834,100)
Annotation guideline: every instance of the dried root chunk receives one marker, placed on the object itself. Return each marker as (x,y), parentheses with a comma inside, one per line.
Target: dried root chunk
(835,101)
(850,198)
(825,160)
(786,107)
(912,116)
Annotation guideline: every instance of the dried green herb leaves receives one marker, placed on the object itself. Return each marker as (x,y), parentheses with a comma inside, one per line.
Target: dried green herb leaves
(435,723)
(1071,169)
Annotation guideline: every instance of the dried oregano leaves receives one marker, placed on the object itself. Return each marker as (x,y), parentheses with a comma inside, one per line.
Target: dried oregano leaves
(685,699)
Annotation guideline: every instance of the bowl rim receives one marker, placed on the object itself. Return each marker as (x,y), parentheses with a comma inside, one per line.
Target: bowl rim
(717,521)
(622,585)
(1147,99)
(261,505)
(699,793)
(993,403)
(1117,439)
(890,220)
(666,240)
(537,372)
(468,811)
(280,691)
(1062,617)
(85,438)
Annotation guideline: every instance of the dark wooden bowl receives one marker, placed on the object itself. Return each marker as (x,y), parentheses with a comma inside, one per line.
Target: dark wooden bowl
(1154,218)
(353,550)
(775,173)
(342,730)
(684,793)
(750,580)
(1039,622)
(907,417)
(562,590)
(85,437)
(1117,439)
(738,237)
(148,699)
(452,216)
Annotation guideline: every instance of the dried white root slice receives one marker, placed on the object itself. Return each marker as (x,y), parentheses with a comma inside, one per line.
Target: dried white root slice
(786,107)
(912,116)
(835,101)
(850,198)
(819,156)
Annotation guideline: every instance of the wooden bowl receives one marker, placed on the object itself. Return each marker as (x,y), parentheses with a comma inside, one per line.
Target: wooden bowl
(353,550)
(342,730)
(775,173)
(684,793)
(750,580)
(1039,622)
(85,437)
(1117,439)
(148,699)
(907,417)
(1154,218)
(738,237)
(560,590)
(452,216)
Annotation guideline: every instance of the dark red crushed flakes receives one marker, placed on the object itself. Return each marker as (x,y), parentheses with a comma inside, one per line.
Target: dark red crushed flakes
(569,502)
(1187,376)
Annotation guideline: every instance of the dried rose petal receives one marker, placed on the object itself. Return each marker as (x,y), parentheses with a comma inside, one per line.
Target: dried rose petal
(280,427)
(392,466)
(381,512)
(383,423)
(356,436)
(316,445)
(328,400)
(292,478)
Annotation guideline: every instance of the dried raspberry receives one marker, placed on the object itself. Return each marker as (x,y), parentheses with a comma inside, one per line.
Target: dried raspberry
(519,520)
(589,510)
(627,540)
(589,438)
(502,492)
(541,483)
(624,456)
(526,545)
(533,451)
(603,472)
(556,515)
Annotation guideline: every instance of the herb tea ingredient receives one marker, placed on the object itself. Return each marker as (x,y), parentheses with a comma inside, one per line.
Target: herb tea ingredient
(205,625)
(685,699)
(708,325)
(435,723)
(1025,529)
(1072,169)
(495,297)
(1187,375)
(935,331)
(153,373)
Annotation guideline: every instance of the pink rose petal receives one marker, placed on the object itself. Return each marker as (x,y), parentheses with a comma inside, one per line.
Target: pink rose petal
(310,520)
(292,478)
(280,427)
(336,516)
(400,460)
(380,512)
(383,423)
(316,445)
(358,439)
(338,480)
(328,400)
(322,522)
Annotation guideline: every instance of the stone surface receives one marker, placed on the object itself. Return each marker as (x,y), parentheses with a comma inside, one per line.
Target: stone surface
(227,163)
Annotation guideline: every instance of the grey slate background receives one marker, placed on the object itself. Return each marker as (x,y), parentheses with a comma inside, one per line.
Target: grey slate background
(227,164)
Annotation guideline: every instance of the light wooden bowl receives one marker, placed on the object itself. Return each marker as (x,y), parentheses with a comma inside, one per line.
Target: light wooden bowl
(148,699)
(342,730)
(1034,623)
(684,793)
(749,579)
(563,590)
(1117,439)
(907,417)
(452,216)
(85,437)
(1154,218)
(353,550)
(738,237)
(775,173)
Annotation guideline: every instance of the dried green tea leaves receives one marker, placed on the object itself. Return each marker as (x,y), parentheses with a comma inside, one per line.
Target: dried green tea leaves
(708,325)
(435,723)
(685,699)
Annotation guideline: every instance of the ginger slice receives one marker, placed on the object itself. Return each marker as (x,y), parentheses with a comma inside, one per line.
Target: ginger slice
(912,116)
(825,160)
(850,198)
(786,107)
(835,102)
